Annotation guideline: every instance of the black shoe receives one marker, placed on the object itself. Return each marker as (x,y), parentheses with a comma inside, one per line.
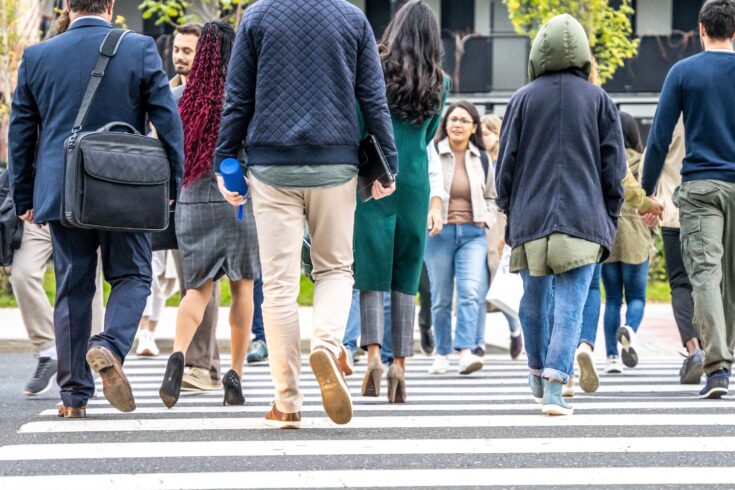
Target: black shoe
(478,351)
(44,377)
(717,385)
(692,369)
(258,352)
(427,340)
(516,346)
(171,385)
(627,338)
(233,389)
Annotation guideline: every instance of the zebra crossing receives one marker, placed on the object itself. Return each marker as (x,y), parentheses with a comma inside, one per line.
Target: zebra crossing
(642,429)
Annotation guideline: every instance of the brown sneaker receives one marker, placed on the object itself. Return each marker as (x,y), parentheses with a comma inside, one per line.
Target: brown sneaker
(281,420)
(72,412)
(115,384)
(330,373)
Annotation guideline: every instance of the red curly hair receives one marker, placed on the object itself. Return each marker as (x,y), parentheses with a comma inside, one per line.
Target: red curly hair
(203,100)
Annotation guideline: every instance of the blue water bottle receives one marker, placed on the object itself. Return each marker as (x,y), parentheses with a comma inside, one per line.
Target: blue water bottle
(234,179)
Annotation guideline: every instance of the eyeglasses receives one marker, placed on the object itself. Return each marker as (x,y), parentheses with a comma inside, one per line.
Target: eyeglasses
(462,121)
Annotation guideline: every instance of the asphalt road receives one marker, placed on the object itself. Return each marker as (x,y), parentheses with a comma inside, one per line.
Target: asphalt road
(478,431)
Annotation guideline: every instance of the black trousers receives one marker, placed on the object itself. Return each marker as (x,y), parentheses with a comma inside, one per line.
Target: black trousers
(681,288)
(126,265)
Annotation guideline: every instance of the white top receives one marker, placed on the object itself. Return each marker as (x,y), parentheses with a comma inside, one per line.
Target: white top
(89,17)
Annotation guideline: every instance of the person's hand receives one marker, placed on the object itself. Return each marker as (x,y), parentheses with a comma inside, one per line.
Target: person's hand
(435,221)
(649,219)
(656,208)
(379,191)
(233,198)
(501,246)
(27,216)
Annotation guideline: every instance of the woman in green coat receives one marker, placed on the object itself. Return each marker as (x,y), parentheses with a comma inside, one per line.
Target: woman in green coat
(390,233)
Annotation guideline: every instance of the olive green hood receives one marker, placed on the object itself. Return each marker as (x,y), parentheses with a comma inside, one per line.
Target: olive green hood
(561,44)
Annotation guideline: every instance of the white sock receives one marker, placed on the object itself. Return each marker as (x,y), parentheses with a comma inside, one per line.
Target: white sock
(517,333)
(50,352)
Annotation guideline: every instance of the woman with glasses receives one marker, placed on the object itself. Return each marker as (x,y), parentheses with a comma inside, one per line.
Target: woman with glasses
(456,250)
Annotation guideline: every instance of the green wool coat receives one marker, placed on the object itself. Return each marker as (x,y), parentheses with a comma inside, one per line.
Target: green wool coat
(390,233)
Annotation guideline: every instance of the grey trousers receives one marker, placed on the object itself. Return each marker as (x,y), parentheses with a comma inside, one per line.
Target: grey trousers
(203,351)
(708,247)
(402,315)
(28,269)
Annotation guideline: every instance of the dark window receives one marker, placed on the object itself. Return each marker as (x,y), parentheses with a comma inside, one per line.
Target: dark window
(378,13)
(685,14)
(458,15)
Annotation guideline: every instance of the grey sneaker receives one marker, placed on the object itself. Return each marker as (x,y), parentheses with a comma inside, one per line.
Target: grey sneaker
(692,369)
(258,352)
(44,377)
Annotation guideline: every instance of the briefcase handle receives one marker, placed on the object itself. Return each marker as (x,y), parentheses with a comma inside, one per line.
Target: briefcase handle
(108,127)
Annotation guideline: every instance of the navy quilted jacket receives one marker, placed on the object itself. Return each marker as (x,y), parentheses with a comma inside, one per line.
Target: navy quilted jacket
(298,71)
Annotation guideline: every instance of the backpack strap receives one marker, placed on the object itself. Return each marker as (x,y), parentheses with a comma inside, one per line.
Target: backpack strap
(108,49)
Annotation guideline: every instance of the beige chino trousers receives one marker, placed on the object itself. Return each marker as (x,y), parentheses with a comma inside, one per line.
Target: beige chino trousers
(280,215)
(26,277)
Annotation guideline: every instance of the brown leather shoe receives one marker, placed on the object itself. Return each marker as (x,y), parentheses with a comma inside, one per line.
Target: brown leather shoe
(72,412)
(115,384)
(330,373)
(281,420)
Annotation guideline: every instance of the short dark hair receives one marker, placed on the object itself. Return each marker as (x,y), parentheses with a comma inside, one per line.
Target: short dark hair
(189,29)
(89,6)
(718,19)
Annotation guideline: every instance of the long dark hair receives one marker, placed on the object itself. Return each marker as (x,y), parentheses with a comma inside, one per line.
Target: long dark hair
(631,134)
(476,137)
(203,100)
(411,52)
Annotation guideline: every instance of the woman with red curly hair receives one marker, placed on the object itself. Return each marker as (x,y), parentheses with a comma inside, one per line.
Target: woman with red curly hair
(212,241)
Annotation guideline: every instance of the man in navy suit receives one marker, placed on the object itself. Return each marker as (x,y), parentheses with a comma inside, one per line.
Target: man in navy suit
(51,83)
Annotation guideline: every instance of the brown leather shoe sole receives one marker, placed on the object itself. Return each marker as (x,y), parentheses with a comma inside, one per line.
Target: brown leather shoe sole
(72,412)
(335,394)
(115,384)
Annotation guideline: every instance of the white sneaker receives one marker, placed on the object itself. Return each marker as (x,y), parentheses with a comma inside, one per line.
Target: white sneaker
(568,390)
(440,365)
(613,365)
(147,344)
(469,363)
(589,381)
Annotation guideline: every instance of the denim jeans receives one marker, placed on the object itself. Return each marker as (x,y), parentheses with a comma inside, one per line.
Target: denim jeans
(457,254)
(352,332)
(619,279)
(258,328)
(591,312)
(550,348)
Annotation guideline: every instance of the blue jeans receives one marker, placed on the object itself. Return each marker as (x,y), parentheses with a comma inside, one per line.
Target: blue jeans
(550,348)
(482,316)
(591,312)
(258,328)
(633,281)
(458,252)
(352,332)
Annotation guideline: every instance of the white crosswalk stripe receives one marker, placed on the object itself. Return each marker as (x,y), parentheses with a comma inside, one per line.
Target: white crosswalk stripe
(467,425)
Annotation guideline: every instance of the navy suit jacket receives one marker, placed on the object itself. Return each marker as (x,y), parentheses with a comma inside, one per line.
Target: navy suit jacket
(52,79)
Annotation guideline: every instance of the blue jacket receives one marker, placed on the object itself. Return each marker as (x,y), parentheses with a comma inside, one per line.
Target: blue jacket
(52,79)
(298,71)
(561,162)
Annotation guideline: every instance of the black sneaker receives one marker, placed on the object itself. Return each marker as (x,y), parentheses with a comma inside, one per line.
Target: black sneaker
(516,346)
(478,351)
(427,340)
(717,384)
(692,369)
(44,377)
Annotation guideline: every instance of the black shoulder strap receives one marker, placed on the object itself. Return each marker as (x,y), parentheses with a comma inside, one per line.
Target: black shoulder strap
(107,50)
(485,160)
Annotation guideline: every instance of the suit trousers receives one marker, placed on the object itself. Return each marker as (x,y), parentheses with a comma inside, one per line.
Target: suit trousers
(203,352)
(126,265)
(280,215)
(26,277)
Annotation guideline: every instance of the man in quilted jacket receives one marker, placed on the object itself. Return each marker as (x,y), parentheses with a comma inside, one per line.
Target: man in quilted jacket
(298,73)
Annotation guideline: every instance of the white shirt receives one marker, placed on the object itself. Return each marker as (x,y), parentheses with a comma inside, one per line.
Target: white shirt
(89,17)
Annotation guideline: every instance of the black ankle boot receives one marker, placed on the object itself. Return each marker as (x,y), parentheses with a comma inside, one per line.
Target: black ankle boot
(171,385)
(233,389)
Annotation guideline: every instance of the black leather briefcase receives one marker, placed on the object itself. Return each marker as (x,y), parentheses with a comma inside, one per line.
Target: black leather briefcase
(114,180)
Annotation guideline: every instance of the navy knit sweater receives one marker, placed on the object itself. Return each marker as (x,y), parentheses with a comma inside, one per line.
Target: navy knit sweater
(298,71)
(702,87)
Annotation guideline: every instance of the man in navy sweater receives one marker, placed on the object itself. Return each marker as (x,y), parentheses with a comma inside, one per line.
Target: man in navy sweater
(298,72)
(702,88)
